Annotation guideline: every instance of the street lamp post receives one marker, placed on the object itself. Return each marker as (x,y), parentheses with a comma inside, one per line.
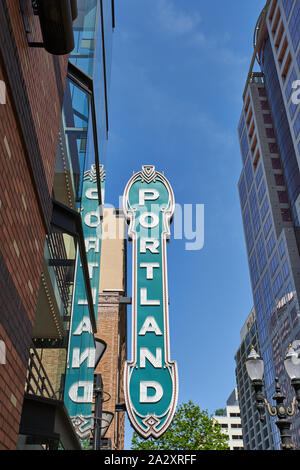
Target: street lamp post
(98,412)
(102,418)
(255,369)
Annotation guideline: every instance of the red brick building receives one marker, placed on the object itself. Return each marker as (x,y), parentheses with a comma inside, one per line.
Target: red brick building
(42,147)
(30,122)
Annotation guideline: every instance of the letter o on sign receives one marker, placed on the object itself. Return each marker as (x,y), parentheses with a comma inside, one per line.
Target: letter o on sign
(145,223)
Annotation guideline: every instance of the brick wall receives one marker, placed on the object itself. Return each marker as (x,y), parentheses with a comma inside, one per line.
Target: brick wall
(44,79)
(30,122)
(111,327)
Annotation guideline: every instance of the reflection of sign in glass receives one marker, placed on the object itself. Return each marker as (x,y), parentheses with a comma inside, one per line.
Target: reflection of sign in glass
(285,299)
(150,379)
(81,354)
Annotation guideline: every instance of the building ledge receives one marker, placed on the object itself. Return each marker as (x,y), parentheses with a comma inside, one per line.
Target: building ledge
(47,419)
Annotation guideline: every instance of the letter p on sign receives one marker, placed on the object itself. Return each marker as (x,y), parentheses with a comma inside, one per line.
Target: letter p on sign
(2,92)
(2,352)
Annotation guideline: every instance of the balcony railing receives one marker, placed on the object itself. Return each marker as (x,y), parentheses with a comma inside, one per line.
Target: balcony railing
(37,381)
(61,267)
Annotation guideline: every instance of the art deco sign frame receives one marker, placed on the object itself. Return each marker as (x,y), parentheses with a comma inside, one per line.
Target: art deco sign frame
(150,378)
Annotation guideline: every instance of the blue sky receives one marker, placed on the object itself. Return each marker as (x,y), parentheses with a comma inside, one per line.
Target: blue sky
(178,72)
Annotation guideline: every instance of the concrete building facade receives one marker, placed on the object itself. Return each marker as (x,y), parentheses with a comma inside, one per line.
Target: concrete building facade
(231,423)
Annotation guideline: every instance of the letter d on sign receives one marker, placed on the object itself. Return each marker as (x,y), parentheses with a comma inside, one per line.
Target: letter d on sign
(145,398)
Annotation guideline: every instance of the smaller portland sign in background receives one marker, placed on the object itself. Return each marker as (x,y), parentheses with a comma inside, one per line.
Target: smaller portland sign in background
(81,354)
(150,378)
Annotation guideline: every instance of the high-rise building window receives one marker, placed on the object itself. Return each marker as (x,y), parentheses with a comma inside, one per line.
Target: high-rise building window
(285,270)
(248,229)
(259,309)
(297,125)
(270,244)
(262,91)
(264,208)
(279,180)
(273,147)
(241,126)
(292,109)
(288,90)
(267,118)
(287,5)
(261,253)
(274,264)
(259,174)
(267,226)
(253,270)
(264,104)
(276,164)
(261,191)
(283,196)
(267,294)
(294,317)
(243,191)
(270,133)
(294,25)
(281,248)
(286,215)
(254,211)
(244,146)
(249,173)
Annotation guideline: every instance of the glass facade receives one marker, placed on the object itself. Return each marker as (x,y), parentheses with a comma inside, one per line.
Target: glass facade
(272,280)
(93,31)
(294,26)
(270,218)
(54,306)
(91,58)
(69,286)
(287,5)
(76,145)
(283,132)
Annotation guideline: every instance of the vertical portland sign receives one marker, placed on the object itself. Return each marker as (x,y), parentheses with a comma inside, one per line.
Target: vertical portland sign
(81,354)
(150,378)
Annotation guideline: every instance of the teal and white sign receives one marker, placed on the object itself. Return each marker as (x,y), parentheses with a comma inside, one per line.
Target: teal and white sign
(81,353)
(150,378)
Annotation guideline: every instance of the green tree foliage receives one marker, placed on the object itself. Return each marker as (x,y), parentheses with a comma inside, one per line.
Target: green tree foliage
(191,429)
(85,444)
(220,412)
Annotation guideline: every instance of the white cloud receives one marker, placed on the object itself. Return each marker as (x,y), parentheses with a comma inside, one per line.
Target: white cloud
(180,23)
(177,21)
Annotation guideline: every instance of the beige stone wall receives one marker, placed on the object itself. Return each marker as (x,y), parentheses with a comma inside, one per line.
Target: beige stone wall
(112,321)
(54,362)
(113,252)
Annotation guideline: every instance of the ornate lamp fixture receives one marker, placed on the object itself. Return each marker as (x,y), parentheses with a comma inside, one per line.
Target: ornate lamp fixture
(255,369)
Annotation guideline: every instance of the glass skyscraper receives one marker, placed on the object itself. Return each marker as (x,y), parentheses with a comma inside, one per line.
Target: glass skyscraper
(269,188)
(256,435)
